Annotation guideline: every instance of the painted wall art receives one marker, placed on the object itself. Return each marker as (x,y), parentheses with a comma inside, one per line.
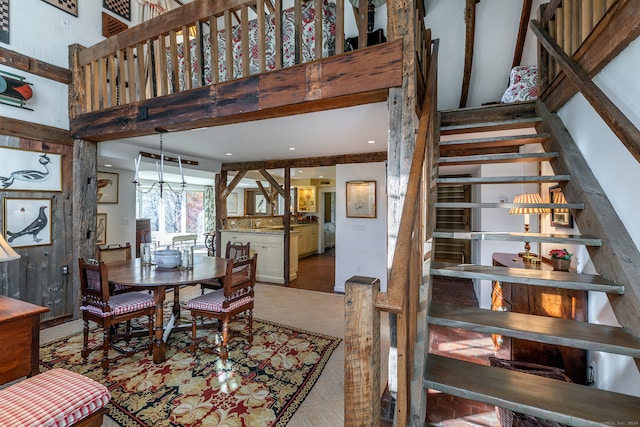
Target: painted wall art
(69,6)
(23,170)
(107,187)
(27,222)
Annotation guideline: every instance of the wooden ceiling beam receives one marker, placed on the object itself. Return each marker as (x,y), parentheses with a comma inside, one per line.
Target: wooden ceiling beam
(22,129)
(34,66)
(272,181)
(309,162)
(232,185)
(470,20)
(522,32)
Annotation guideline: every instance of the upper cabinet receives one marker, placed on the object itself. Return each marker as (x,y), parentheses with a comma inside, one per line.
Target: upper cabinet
(307,198)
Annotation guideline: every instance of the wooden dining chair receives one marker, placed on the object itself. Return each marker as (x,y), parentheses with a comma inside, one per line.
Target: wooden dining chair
(114,253)
(236,297)
(236,251)
(106,310)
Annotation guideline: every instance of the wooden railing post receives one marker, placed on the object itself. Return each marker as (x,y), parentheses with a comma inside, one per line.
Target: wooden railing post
(362,353)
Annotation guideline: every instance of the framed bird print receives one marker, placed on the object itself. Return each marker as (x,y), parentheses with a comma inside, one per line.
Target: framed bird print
(24,170)
(107,187)
(27,222)
(101,229)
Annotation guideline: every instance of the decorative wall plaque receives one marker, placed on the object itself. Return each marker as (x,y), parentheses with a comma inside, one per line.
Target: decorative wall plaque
(69,6)
(119,7)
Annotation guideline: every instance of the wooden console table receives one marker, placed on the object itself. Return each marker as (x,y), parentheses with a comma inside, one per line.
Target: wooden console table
(543,301)
(19,338)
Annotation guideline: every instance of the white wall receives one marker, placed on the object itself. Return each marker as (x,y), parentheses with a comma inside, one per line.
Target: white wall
(618,174)
(45,32)
(121,216)
(361,242)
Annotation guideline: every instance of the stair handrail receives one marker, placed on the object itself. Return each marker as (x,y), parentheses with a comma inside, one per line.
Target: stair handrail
(393,300)
(619,124)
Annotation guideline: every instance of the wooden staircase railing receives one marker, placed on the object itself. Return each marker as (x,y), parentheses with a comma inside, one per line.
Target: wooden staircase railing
(144,62)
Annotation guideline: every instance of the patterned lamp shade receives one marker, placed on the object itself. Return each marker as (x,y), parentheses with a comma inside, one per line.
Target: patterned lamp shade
(533,198)
(559,199)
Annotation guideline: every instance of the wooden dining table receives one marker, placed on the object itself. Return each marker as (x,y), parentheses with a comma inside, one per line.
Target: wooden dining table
(137,275)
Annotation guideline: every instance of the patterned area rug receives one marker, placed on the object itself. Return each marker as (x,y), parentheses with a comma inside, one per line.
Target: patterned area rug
(261,385)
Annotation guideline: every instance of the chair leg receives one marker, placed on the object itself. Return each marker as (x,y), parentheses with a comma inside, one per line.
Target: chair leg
(193,334)
(106,336)
(225,338)
(85,341)
(150,334)
(250,338)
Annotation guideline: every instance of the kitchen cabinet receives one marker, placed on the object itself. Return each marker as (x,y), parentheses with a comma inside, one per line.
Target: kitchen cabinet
(307,239)
(269,246)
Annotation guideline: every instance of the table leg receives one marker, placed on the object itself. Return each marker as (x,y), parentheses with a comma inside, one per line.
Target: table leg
(158,343)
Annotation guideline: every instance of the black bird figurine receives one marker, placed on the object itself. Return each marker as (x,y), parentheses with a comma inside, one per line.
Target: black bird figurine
(34,228)
(29,175)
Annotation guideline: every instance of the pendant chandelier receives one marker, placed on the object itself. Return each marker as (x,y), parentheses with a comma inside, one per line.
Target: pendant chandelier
(161,183)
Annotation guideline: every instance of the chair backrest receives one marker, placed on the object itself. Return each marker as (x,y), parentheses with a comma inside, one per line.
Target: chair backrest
(239,279)
(185,239)
(94,283)
(113,253)
(237,250)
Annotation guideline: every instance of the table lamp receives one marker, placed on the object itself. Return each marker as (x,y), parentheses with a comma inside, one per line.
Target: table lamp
(529,199)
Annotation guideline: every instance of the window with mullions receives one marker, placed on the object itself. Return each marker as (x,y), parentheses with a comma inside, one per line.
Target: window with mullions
(173,213)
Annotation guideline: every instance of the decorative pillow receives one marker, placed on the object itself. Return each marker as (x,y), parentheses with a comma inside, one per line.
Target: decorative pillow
(523,84)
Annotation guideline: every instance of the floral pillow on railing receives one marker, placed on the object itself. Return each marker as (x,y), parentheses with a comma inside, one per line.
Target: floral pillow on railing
(523,84)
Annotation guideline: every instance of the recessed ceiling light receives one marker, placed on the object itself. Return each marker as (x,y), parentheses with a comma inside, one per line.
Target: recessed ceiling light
(300,171)
(292,148)
(371,141)
(321,176)
(229,154)
(108,166)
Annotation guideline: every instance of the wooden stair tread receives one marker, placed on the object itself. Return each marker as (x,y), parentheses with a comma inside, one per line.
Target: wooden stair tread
(498,141)
(555,400)
(551,330)
(520,123)
(505,236)
(497,158)
(504,179)
(557,279)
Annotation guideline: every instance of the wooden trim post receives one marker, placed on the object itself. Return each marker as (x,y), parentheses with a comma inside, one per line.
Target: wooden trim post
(361,353)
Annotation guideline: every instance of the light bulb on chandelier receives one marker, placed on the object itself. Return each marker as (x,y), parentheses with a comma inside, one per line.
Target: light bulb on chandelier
(161,183)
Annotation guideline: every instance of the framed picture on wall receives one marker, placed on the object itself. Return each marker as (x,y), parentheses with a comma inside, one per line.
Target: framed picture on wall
(107,187)
(24,170)
(101,229)
(361,199)
(560,217)
(27,222)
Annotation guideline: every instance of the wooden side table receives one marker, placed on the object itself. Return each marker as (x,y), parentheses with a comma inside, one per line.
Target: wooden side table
(19,338)
(543,301)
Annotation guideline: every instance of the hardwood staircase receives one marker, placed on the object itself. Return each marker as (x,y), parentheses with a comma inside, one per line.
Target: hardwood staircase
(549,399)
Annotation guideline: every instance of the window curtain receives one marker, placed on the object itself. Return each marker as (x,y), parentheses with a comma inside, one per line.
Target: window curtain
(209,209)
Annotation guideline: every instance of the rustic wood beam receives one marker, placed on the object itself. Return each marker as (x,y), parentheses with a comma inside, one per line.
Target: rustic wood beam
(624,129)
(22,129)
(286,222)
(353,78)
(274,184)
(232,185)
(265,192)
(34,66)
(550,13)
(470,20)
(221,207)
(308,162)
(522,32)
(613,33)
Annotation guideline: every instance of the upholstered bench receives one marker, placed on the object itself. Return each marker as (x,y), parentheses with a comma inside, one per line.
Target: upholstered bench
(55,398)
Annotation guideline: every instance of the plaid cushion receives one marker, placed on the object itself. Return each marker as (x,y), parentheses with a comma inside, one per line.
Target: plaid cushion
(123,303)
(213,301)
(54,398)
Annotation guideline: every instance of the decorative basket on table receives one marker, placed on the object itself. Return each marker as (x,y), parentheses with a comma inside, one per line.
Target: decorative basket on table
(509,418)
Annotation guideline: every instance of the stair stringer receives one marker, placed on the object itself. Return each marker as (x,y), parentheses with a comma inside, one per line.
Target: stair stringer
(618,257)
